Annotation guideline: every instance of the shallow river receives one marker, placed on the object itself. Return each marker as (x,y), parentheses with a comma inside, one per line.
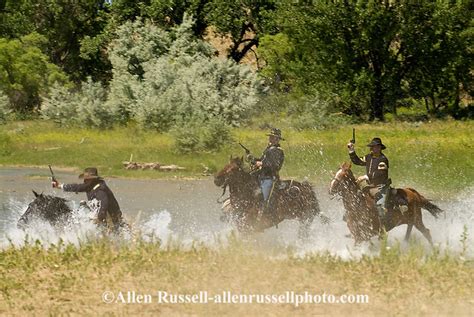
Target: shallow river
(185,212)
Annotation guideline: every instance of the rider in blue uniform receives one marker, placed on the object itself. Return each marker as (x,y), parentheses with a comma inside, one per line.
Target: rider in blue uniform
(96,190)
(268,166)
(376,164)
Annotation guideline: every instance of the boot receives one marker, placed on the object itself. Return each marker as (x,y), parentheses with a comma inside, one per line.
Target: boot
(382,215)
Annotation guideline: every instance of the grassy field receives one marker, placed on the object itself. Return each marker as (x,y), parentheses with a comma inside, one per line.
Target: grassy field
(67,280)
(435,157)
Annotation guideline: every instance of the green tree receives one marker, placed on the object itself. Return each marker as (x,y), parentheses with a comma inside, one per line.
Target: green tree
(26,72)
(245,21)
(65,24)
(371,54)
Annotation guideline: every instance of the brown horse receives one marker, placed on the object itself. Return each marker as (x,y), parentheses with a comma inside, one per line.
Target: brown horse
(290,200)
(362,217)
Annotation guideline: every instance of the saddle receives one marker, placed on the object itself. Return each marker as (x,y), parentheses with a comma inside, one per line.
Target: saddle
(395,200)
(289,186)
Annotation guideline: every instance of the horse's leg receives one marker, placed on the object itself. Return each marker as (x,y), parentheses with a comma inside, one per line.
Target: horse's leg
(421,227)
(408,233)
(305,224)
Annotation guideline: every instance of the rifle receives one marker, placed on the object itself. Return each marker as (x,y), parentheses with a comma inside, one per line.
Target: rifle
(353,141)
(250,157)
(247,151)
(53,178)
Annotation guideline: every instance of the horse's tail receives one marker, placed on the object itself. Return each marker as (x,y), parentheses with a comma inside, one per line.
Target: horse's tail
(314,207)
(311,197)
(426,204)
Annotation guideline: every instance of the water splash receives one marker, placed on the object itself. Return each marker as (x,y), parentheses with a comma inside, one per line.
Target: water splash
(185,229)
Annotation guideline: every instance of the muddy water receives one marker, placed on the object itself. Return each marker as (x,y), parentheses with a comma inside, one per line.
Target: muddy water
(186,212)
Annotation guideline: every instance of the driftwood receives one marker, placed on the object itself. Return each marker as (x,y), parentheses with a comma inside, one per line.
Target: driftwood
(151,166)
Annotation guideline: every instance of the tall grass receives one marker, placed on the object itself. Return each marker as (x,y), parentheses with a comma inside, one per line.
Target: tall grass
(434,157)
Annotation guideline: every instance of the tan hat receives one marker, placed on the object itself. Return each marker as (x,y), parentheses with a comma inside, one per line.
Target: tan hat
(89,173)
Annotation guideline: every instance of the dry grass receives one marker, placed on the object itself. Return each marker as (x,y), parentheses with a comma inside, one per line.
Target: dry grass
(70,280)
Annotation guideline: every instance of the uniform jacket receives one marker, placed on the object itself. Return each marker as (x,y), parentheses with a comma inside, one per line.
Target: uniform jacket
(98,189)
(376,167)
(272,161)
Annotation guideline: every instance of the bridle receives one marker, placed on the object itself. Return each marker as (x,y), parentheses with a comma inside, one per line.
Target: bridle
(226,183)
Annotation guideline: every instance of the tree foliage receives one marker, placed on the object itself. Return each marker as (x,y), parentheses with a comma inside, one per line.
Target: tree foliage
(161,79)
(372,54)
(26,72)
(64,24)
(367,57)
(164,78)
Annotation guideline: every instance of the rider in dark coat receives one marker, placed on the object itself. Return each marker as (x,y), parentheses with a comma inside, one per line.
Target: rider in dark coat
(269,165)
(376,166)
(97,191)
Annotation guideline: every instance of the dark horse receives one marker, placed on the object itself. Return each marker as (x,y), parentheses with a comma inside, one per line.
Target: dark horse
(362,217)
(54,210)
(291,200)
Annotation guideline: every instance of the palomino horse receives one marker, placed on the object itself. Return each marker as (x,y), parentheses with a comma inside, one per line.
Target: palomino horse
(362,217)
(290,200)
(54,210)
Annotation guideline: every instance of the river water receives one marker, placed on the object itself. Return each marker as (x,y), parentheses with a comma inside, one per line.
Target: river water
(185,212)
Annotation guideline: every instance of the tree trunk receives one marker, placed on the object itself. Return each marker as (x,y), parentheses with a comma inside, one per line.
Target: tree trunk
(377,100)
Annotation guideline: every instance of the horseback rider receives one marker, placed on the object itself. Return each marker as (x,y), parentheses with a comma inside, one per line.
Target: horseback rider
(376,164)
(98,194)
(268,166)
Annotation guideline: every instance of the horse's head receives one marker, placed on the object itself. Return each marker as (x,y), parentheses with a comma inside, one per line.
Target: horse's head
(341,179)
(46,207)
(235,165)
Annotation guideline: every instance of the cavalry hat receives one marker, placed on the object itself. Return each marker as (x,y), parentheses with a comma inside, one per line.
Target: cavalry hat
(377,141)
(89,173)
(276,132)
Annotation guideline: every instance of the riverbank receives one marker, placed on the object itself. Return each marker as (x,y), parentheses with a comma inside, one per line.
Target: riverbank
(434,157)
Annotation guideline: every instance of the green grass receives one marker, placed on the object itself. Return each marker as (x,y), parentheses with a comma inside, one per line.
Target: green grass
(65,279)
(434,157)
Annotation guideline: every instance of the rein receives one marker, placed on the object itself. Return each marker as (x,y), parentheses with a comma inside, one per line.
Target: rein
(219,201)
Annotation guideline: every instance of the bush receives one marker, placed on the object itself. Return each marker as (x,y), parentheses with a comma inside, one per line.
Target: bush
(179,82)
(85,107)
(195,136)
(160,79)
(4,108)
(216,135)
(59,106)
(315,113)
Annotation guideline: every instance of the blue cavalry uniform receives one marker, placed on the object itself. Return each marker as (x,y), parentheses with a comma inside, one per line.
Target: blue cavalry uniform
(271,162)
(377,174)
(99,193)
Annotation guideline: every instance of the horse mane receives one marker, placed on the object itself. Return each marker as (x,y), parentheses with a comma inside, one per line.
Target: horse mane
(47,207)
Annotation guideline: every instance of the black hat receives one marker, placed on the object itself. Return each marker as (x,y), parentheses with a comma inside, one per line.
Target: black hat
(89,173)
(377,141)
(276,132)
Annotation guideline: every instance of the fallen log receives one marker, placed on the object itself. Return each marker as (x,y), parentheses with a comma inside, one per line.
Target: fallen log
(151,166)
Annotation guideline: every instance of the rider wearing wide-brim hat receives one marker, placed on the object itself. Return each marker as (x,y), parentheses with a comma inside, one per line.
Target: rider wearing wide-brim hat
(269,165)
(98,192)
(376,165)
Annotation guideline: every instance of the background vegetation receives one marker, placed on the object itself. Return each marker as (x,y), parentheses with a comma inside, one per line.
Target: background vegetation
(433,157)
(98,62)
